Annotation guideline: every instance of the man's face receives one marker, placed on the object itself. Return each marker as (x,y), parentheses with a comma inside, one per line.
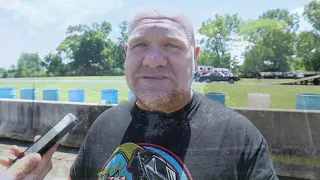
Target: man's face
(159,60)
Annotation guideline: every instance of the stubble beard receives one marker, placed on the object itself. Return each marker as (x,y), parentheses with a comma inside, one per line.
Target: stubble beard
(169,102)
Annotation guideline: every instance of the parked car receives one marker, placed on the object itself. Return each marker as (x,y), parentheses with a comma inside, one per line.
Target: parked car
(218,76)
(197,76)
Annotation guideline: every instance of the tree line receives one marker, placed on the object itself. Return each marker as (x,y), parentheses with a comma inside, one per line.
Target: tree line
(86,51)
(274,43)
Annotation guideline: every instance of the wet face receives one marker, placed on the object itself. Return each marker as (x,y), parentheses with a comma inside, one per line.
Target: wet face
(160,59)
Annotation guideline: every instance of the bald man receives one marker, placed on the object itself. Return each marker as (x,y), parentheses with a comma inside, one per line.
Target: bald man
(170,132)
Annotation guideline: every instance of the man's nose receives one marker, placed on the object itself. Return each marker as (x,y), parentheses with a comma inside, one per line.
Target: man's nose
(154,59)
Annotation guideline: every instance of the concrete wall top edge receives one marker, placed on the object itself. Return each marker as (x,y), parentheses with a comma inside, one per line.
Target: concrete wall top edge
(111,105)
(55,102)
(275,110)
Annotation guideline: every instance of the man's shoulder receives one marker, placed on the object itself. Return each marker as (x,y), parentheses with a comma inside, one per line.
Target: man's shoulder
(119,113)
(211,113)
(217,110)
(222,126)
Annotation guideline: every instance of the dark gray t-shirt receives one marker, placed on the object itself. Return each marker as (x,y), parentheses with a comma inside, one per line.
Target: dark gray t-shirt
(204,140)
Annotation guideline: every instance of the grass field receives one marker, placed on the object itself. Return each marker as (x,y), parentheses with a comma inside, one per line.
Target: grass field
(76,78)
(283,97)
(248,80)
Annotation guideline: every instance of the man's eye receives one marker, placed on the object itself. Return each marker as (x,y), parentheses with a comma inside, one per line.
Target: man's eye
(172,46)
(140,45)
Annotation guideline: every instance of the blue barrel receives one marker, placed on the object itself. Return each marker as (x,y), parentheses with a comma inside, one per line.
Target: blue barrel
(110,96)
(77,95)
(219,97)
(51,95)
(131,96)
(28,93)
(8,92)
(307,101)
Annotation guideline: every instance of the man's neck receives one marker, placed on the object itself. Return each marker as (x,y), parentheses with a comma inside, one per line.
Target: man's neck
(171,106)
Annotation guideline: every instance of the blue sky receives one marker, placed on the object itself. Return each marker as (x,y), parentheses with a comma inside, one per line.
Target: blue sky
(40,25)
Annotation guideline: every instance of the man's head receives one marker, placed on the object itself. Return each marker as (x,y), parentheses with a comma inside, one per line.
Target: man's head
(161,59)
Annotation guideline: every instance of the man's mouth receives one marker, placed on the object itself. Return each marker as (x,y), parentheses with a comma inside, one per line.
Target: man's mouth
(159,81)
(154,77)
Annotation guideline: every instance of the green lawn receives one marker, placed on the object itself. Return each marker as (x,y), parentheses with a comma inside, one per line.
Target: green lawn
(76,78)
(93,90)
(243,80)
(283,97)
(236,94)
(264,81)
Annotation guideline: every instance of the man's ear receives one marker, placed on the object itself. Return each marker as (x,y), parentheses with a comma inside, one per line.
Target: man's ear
(125,48)
(196,56)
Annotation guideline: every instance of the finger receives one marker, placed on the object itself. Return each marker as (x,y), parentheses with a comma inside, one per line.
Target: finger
(43,170)
(5,161)
(15,150)
(22,167)
(36,138)
(45,165)
(48,155)
(46,159)
(53,148)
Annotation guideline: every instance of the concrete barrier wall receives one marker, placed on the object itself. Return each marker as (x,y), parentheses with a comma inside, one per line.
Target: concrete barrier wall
(293,132)
(289,132)
(24,119)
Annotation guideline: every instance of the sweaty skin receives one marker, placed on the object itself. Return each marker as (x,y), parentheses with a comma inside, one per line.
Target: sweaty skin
(161,57)
(179,20)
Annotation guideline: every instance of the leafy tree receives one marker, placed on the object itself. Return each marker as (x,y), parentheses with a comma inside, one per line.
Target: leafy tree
(54,65)
(2,70)
(12,71)
(29,65)
(292,20)
(5,74)
(205,58)
(308,45)
(255,59)
(272,39)
(308,50)
(312,14)
(89,49)
(119,53)
(218,34)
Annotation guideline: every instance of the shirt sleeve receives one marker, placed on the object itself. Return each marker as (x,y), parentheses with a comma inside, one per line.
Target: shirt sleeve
(77,170)
(255,161)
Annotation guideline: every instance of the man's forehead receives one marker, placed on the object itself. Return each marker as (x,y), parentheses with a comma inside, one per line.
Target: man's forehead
(152,16)
(159,28)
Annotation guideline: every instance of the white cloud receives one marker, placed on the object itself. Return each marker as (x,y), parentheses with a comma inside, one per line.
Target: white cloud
(61,13)
(304,25)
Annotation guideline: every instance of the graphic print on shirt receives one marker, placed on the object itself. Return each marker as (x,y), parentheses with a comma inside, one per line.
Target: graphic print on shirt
(143,161)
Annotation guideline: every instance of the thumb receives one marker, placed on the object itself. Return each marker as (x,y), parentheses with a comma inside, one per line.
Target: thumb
(25,165)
